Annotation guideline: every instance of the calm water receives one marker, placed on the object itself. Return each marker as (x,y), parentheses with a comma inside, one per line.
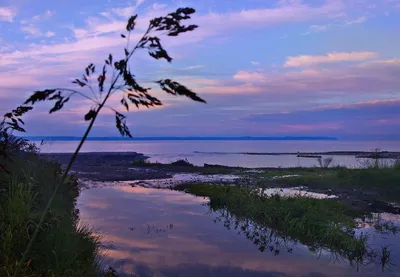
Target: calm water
(167,151)
(152,232)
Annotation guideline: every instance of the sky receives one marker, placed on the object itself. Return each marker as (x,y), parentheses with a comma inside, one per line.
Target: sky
(265,67)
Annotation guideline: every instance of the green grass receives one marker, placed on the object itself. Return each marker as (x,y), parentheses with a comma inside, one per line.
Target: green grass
(269,221)
(62,248)
(385,181)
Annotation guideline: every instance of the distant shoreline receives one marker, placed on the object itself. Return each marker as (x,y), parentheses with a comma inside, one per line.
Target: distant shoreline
(357,154)
(68,138)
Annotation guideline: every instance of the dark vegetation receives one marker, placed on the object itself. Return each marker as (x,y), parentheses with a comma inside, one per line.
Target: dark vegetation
(277,223)
(184,165)
(62,247)
(147,163)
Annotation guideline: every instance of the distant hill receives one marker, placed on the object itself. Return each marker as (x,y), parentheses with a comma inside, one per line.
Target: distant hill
(68,138)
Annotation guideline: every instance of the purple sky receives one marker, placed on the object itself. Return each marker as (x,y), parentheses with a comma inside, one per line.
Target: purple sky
(265,67)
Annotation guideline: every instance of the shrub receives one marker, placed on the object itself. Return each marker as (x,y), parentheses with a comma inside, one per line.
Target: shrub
(184,162)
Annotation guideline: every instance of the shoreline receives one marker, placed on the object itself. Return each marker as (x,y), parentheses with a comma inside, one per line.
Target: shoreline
(98,168)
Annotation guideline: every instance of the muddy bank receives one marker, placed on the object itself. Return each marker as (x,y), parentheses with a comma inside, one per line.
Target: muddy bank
(100,166)
(122,166)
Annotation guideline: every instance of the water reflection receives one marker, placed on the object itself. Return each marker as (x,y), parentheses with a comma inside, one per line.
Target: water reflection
(275,241)
(195,246)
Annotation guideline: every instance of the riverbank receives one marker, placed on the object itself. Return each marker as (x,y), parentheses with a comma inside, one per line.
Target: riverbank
(63,247)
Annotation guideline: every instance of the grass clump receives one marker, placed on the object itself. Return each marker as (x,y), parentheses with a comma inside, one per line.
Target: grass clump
(182,162)
(273,221)
(63,247)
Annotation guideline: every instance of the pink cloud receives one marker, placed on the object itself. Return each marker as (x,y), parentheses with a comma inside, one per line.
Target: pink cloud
(46,51)
(31,30)
(46,15)
(7,14)
(387,121)
(240,89)
(334,57)
(318,28)
(96,28)
(391,62)
(9,80)
(355,105)
(247,76)
(372,77)
(284,13)
(100,35)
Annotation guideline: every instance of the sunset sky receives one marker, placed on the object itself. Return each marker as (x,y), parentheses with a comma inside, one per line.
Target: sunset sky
(265,67)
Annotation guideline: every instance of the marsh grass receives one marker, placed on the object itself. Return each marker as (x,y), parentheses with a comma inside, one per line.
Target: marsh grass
(386,258)
(382,180)
(273,222)
(63,247)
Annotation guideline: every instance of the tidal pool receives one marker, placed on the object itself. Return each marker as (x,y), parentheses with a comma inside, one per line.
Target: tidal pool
(154,232)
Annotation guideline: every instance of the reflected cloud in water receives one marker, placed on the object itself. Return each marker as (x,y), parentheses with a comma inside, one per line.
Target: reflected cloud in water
(138,239)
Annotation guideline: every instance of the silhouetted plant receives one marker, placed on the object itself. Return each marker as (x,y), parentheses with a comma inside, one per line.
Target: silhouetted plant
(3,146)
(10,145)
(122,80)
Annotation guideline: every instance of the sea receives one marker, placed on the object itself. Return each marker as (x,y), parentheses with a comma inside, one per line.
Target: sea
(229,152)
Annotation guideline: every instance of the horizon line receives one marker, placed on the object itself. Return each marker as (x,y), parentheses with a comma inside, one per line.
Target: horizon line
(104,138)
